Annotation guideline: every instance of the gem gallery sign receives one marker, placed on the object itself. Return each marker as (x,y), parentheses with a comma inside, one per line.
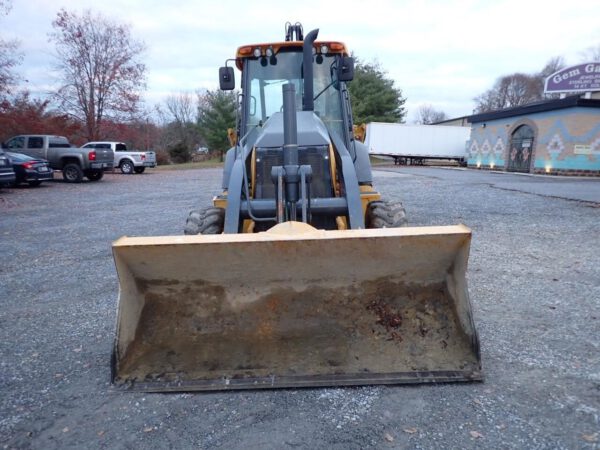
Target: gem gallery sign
(580,78)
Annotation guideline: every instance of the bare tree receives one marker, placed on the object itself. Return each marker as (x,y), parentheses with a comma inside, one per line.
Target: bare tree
(510,91)
(553,65)
(181,107)
(10,57)
(101,73)
(180,133)
(428,115)
(591,54)
(518,89)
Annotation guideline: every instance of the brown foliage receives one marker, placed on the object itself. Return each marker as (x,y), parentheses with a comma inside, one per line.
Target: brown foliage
(138,135)
(24,115)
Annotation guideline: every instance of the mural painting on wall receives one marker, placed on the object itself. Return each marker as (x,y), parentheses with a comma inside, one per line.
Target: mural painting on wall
(486,153)
(485,148)
(473,149)
(562,145)
(514,152)
(499,148)
(556,148)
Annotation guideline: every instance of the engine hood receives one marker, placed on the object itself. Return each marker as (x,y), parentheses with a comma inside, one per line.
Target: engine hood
(311,131)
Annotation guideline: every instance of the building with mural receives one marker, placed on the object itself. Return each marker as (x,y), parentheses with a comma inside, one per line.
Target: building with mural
(559,136)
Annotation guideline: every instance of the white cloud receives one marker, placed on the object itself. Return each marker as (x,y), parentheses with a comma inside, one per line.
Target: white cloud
(438,52)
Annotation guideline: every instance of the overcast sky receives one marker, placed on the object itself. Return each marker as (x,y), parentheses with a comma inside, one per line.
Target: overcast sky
(438,52)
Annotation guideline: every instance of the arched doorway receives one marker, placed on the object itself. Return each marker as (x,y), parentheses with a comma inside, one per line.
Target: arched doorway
(521,149)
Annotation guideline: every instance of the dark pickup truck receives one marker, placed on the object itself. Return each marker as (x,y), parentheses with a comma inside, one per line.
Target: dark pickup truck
(75,163)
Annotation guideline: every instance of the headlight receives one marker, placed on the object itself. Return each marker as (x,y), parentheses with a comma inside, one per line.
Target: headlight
(257,52)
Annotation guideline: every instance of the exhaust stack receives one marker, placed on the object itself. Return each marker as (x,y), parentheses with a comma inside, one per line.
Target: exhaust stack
(307,55)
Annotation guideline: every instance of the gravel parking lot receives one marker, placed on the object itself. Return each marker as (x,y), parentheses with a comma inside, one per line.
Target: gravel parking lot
(534,278)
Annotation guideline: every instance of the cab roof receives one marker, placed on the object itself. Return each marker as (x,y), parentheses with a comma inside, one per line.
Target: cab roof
(247,51)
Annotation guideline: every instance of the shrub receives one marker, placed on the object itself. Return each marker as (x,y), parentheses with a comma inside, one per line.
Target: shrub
(162,157)
(180,153)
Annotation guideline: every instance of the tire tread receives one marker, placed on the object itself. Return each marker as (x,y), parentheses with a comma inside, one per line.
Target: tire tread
(208,220)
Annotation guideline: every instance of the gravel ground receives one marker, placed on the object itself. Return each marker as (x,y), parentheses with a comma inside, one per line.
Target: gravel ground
(534,280)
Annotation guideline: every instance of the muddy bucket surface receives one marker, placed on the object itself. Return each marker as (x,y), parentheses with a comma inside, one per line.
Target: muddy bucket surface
(323,308)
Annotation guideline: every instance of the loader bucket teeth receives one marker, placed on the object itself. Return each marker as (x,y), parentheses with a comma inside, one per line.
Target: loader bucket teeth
(311,308)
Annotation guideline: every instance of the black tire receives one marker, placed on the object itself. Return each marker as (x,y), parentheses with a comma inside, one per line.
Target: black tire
(209,220)
(126,167)
(139,169)
(385,214)
(72,173)
(34,183)
(94,175)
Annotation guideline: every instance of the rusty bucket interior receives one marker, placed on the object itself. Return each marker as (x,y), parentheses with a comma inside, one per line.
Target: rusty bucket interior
(320,308)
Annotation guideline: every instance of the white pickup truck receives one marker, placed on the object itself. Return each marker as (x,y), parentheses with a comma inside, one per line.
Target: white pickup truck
(129,161)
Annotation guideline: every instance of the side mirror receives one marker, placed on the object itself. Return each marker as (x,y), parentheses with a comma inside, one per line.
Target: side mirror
(346,68)
(226,78)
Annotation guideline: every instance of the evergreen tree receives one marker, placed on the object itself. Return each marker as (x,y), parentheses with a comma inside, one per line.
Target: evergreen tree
(374,96)
(216,113)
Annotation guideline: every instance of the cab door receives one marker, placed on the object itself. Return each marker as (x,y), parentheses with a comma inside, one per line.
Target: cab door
(34,147)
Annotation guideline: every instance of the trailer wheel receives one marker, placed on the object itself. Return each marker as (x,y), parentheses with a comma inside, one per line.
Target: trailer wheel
(385,214)
(209,220)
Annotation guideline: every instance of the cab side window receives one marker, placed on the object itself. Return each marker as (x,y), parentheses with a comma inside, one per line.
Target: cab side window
(15,143)
(35,142)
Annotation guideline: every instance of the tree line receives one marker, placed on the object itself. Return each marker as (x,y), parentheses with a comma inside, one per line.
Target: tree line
(102,77)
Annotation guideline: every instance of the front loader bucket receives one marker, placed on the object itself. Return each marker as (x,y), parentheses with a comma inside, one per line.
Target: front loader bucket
(321,308)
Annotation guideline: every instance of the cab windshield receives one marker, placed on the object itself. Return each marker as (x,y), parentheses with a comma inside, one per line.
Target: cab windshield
(266,76)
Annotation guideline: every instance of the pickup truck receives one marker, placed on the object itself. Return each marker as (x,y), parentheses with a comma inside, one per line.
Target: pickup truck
(129,161)
(75,163)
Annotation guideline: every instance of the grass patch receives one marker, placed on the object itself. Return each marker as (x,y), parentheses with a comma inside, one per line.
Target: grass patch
(379,161)
(192,165)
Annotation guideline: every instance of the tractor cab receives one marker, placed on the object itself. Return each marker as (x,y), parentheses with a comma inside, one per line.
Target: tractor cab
(318,71)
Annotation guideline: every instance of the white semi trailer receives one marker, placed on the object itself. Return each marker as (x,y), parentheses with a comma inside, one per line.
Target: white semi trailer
(413,144)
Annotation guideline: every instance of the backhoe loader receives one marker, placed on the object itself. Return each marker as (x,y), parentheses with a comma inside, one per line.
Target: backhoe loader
(298,274)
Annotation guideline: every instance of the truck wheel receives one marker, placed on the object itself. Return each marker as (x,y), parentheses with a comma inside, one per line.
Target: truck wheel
(94,175)
(385,214)
(126,167)
(209,220)
(72,173)
(139,169)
